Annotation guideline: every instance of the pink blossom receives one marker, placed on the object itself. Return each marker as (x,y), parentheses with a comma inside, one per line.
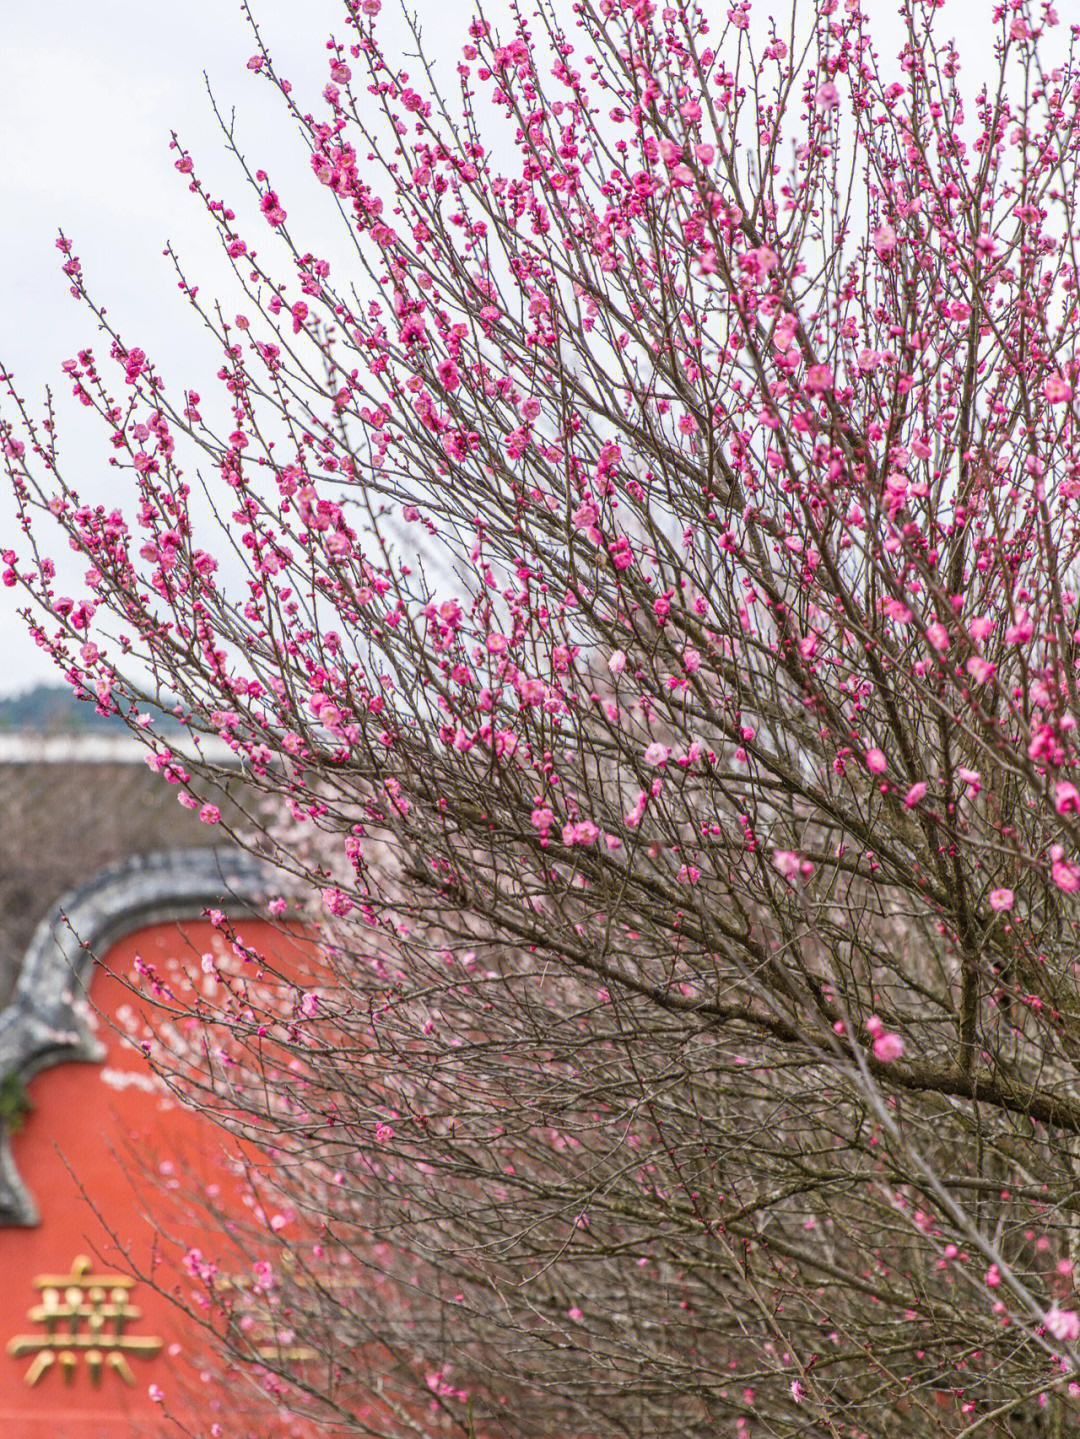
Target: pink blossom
(979,669)
(876,762)
(787,862)
(819,378)
(758,263)
(915,794)
(448,375)
(884,238)
(1064,873)
(791,865)
(586,514)
(210,814)
(888,1047)
(337,902)
(617,662)
(657,754)
(784,332)
(1063,1324)
(270,205)
(827,97)
(1057,389)
(1001,899)
(633,819)
(542,818)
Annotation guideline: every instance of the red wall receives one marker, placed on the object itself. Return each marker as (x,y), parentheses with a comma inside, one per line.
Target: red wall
(82,1152)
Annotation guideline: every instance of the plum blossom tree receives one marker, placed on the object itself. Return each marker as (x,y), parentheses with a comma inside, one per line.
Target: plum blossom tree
(695,830)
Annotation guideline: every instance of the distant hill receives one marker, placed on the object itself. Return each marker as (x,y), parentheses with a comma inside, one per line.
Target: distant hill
(54,710)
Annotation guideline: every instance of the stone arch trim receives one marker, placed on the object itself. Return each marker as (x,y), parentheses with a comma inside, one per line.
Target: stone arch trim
(46,1021)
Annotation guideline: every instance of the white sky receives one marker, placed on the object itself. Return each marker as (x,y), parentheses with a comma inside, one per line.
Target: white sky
(90,94)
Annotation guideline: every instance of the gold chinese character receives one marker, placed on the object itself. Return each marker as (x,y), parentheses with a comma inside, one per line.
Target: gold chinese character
(83,1313)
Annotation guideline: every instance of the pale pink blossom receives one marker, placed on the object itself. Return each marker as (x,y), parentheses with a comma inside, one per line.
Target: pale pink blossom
(884,239)
(1063,1324)
(827,97)
(888,1047)
(784,332)
(1001,899)
(787,862)
(1064,873)
(979,669)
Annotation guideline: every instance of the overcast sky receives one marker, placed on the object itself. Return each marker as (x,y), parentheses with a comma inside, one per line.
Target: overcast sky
(90,94)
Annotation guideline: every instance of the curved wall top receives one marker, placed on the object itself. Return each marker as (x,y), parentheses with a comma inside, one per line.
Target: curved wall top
(46,1021)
